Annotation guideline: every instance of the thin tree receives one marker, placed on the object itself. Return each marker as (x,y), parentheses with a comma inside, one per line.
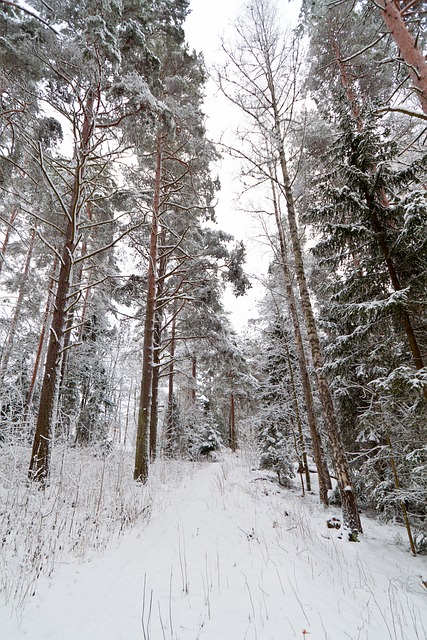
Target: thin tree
(319,458)
(265,83)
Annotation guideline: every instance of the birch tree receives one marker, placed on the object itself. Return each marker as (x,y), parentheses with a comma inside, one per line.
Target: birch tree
(265,86)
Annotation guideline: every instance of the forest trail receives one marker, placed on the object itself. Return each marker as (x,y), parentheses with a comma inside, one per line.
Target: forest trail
(228,555)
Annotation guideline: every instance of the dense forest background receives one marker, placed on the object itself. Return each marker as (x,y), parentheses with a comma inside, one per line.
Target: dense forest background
(114,338)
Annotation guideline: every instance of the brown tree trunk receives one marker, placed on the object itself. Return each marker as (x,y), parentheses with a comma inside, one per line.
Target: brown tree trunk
(170,435)
(194,377)
(300,447)
(43,335)
(233,435)
(341,465)
(319,458)
(8,345)
(6,238)
(413,57)
(76,279)
(142,451)
(40,455)
(157,339)
(405,318)
(353,101)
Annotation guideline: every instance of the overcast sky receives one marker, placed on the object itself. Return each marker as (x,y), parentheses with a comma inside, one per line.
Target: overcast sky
(206,24)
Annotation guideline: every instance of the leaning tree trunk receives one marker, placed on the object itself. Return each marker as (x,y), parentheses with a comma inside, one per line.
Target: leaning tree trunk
(43,334)
(6,238)
(351,516)
(384,202)
(341,465)
(319,458)
(413,57)
(142,451)
(8,345)
(40,455)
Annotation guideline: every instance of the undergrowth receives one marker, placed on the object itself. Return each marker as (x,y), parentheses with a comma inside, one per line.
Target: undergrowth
(90,501)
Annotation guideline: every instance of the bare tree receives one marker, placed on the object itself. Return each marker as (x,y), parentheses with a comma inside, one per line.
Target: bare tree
(262,78)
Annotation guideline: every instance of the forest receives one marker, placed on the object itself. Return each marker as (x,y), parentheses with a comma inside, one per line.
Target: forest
(118,355)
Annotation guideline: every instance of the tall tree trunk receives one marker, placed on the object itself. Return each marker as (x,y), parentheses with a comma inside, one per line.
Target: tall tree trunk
(40,454)
(8,345)
(43,335)
(170,435)
(341,465)
(395,280)
(319,458)
(194,378)
(301,440)
(6,238)
(76,279)
(384,202)
(157,339)
(233,435)
(142,452)
(415,61)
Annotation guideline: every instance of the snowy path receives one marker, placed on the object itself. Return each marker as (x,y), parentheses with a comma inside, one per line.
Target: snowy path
(227,556)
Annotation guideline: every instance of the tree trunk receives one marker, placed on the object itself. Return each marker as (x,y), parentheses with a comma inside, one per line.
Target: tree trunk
(319,458)
(157,339)
(40,455)
(8,345)
(76,279)
(300,442)
(170,435)
(405,318)
(413,57)
(5,244)
(142,452)
(383,200)
(351,516)
(233,436)
(194,377)
(43,335)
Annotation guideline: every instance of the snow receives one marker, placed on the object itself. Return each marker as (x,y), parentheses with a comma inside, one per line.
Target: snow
(229,555)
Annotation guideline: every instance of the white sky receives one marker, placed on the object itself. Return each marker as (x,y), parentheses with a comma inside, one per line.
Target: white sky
(206,24)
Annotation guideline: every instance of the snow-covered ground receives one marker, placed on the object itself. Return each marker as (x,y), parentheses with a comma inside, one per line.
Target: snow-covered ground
(229,555)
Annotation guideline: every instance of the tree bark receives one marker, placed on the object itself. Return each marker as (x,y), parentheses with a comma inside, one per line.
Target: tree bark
(170,435)
(383,200)
(319,459)
(194,377)
(8,345)
(142,452)
(351,516)
(413,57)
(40,454)
(300,442)
(43,334)
(6,238)
(233,435)
(157,339)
